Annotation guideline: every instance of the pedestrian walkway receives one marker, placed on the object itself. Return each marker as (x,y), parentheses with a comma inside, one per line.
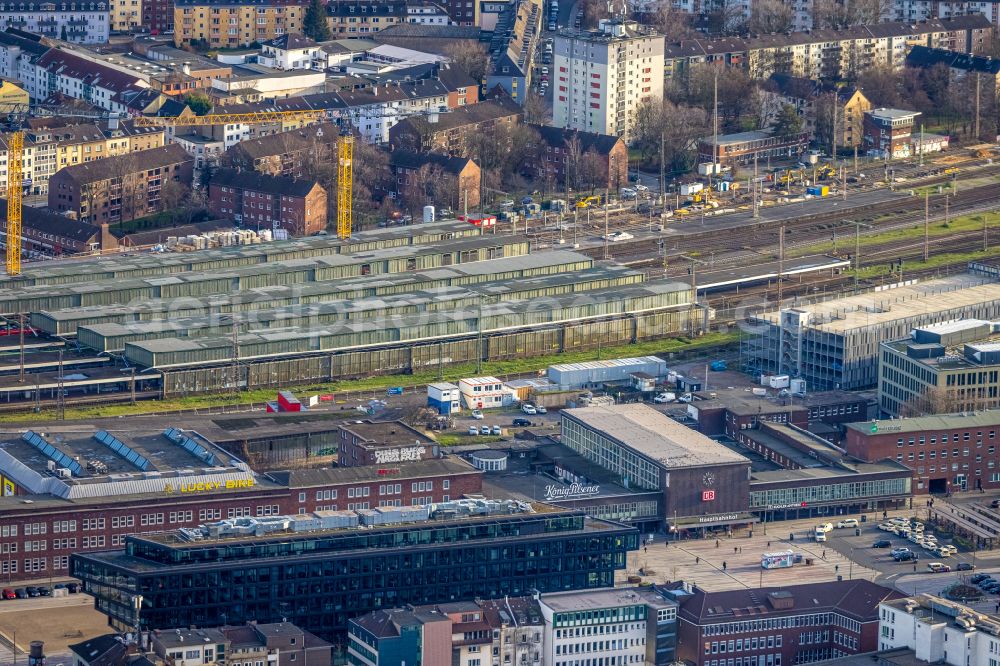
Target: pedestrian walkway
(732,562)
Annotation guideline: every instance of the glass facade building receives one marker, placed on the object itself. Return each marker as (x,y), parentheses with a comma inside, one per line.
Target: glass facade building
(318,580)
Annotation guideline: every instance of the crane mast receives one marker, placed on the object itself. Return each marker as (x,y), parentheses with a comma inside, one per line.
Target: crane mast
(15,179)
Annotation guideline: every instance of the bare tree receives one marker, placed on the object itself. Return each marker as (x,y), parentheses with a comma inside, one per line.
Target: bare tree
(840,14)
(173,196)
(592,171)
(771,16)
(469,56)
(669,21)
(535,109)
(574,154)
(726,17)
(932,401)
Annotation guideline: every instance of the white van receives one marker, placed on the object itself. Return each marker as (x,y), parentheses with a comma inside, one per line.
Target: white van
(820,534)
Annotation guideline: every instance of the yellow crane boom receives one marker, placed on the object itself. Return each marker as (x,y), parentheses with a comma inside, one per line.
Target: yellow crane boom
(15,179)
(257,117)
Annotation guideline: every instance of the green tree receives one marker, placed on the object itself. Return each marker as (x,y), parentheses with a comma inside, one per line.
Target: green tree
(314,24)
(199,103)
(788,122)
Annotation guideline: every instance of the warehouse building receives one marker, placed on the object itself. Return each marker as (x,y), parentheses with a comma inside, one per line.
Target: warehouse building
(835,344)
(702,484)
(949,367)
(946,453)
(320,570)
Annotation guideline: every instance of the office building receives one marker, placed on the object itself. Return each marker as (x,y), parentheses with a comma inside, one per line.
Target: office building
(233,24)
(378,443)
(320,570)
(600,77)
(888,133)
(464,633)
(835,344)
(618,626)
(946,453)
(795,624)
(949,367)
(701,483)
(939,631)
(746,147)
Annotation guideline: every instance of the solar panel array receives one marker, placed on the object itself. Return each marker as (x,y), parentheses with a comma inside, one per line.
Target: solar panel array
(52,453)
(189,445)
(122,449)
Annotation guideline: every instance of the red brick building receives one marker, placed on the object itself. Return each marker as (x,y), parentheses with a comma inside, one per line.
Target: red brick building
(380,443)
(563,146)
(158,16)
(449,181)
(255,200)
(783,626)
(947,453)
(38,533)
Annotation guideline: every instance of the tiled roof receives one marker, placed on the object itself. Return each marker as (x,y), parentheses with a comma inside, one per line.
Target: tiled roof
(857,599)
(603,144)
(923,56)
(58,61)
(56,225)
(471,114)
(291,40)
(258,182)
(410,160)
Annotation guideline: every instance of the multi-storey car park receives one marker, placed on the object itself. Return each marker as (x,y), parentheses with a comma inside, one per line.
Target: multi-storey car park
(322,309)
(319,570)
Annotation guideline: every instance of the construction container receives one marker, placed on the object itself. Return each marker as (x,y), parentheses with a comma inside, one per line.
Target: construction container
(687,189)
(288,402)
(596,372)
(818,190)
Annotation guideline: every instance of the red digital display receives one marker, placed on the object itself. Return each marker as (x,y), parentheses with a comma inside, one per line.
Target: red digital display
(707,495)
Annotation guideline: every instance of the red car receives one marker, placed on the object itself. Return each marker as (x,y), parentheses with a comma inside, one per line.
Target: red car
(8,593)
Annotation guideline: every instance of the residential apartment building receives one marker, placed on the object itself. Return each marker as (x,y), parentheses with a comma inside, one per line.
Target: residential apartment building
(158,16)
(830,55)
(939,631)
(50,145)
(456,180)
(948,367)
(51,235)
(512,48)
(77,21)
(629,625)
(961,66)
(469,633)
(624,626)
(450,132)
(19,53)
(459,178)
(121,188)
(350,18)
(563,147)
(60,71)
(235,23)
(922,10)
(842,108)
(835,344)
(946,453)
(601,77)
(278,644)
(793,624)
(888,133)
(283,153)
(12,95)
(258,201)
(126,15)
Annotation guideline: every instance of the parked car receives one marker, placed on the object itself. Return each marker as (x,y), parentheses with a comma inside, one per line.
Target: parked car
(32,591)
(616,236)
(497,430)
(73,587)
(522,422)
(473,430)
(848,522)
(541,410)
(477,414)
(485,430)
(640,187)
(529,409)
(995,504)
(965,566)
(825,527)
(664,397)
(44,591)
(937,567)
(978,578)
(9,593)
(20,593)
(906,557)
(882,543)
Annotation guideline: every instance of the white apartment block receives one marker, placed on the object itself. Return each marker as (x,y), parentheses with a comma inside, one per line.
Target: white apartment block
(919,10)
(600,77)
(939,631)
(79,22)
(610,626)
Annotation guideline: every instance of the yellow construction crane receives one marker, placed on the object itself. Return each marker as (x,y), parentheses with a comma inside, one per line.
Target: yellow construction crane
(15,157)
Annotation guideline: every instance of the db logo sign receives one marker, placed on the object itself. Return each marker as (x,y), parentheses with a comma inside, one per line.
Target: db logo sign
(707,495)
